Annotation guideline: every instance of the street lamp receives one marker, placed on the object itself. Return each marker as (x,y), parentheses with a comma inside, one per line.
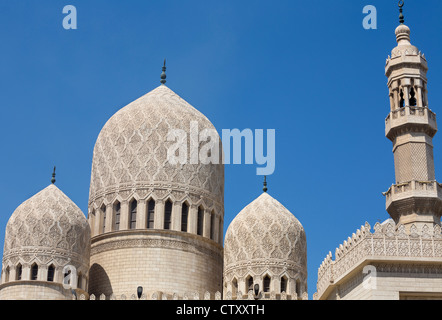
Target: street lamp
(139,292)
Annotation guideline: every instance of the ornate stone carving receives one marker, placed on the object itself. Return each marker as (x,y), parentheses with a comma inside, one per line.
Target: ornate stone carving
(264,238)
(131,151)
(48,228)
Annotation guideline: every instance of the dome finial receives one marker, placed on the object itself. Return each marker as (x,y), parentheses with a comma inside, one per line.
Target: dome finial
(265,184)
(401,16)
(163,74)
(53,176)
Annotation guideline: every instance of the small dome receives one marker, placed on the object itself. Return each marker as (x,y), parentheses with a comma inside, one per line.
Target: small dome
(48,227)
(131,151)
(402,31)
(265,231)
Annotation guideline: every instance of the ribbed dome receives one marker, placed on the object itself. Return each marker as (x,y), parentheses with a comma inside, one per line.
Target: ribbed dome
(404,46)
(131,150)
(265,232)
(48,226)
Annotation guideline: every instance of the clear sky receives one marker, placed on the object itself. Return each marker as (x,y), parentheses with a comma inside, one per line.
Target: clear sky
(307,69)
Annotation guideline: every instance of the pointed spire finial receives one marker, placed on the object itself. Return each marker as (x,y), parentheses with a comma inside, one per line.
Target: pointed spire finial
(53,176)
(265,184)
(401,16)
(163,74)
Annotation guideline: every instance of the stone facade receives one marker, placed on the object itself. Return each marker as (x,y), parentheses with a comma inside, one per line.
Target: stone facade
(147,213)
(265,245)
(402,258)
(166,261)
(45,234)
(393,255)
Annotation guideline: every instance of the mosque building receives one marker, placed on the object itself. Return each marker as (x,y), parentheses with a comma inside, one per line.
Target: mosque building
(154,229)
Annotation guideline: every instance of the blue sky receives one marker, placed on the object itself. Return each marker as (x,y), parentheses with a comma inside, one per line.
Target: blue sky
(307,69)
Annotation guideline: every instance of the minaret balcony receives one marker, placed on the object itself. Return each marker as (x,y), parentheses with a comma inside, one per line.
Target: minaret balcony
(408,119)
(414,196)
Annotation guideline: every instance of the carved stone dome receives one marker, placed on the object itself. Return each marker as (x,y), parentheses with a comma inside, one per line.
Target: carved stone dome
(131,152)
(48,228)
(265,231)
(267,235)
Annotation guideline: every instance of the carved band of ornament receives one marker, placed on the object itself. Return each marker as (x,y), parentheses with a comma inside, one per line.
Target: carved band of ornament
(195,196)
(266,264)
(44,252)
(154,243)
(382,247)
(412,185)
(420,111)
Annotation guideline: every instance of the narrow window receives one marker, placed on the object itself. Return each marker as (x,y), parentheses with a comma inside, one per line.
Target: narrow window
(212,225)
(103,212)
(18,272)
(401,101)
(7,274)
(34,271)
(51,273)
(200,222)
(150,214)
(184,216)
(413,100)
(133,214)
(117,213)
(167,214)
(283,284)
(249,283)
(79,280)
(266,284)
(298,288)
(67,277)
(234,287)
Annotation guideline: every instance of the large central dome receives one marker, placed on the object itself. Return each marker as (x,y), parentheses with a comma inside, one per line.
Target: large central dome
(149,210)
(131,149)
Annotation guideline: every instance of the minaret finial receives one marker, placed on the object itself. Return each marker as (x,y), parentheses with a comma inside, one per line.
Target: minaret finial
(163,74)
(53,176)
(265,184)
(401,16)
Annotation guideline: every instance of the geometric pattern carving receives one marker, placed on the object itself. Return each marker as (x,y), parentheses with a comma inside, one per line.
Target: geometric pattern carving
(265,238)
(130,153)
(388,240)
(48,228)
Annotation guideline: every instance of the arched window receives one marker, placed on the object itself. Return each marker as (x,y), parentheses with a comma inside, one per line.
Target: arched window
(133,214)
(117,213)
(51,273)
(401,101)
(234,287)
(249,283)
(67,277)
(212,225)
(18,272)
(413,100)
(266,284)
(283,284)
(298,288)
(184,216)
(34,271)
(79,280)
(167,214)
(103,213)
(150,214)
(200,222)
(7,274)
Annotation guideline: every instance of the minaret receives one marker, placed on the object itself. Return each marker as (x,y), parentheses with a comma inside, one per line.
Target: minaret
(416,197)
